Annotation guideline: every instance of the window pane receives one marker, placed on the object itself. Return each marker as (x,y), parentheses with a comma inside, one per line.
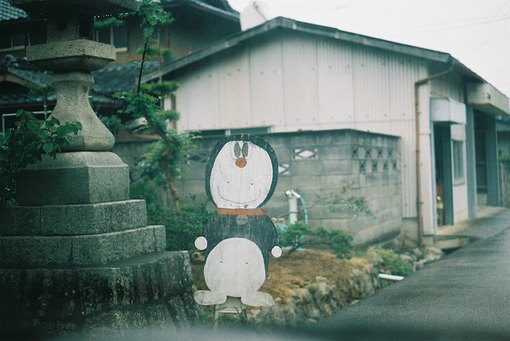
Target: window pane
(18,39)
(458,160)
(104,36)
(120,36)
(5,39)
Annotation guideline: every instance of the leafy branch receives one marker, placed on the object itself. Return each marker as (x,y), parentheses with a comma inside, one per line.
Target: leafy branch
(147,102)
(26,143)
(355,205)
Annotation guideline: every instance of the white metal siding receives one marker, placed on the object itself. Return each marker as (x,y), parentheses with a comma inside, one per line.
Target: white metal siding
(335,90)
(197,100)
(234,90)
(300,83)
(266,84)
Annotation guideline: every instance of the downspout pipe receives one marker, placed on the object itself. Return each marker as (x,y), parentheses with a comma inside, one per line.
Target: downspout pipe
(417,85)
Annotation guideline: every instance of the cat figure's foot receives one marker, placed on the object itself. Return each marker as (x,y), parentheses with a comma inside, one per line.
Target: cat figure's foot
(206,297)
(257,299)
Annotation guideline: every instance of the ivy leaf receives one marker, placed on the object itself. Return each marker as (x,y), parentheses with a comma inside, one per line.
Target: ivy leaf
(48,147)
(62,131)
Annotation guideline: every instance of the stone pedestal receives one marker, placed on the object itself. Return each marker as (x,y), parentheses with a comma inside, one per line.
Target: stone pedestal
(76,254)
(149,292)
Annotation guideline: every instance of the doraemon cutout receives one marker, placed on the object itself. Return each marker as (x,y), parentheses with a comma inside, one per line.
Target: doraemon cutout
(241,176)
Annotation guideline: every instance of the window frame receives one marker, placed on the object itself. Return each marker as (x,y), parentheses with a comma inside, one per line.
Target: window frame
(459,162)
(111,30)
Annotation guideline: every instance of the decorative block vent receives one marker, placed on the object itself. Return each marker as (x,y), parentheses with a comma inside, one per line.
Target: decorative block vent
(377,159)
(284,169)
(355,153)
(305,154)
(363,167)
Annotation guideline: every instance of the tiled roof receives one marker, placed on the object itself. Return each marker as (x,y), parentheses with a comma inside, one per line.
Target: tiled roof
(24,99)
(110,82)
(122,76)
(216,6)
(9,12)
(110,79)
(23,69)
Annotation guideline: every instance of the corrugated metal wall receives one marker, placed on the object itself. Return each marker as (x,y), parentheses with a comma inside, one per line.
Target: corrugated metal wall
(292,82)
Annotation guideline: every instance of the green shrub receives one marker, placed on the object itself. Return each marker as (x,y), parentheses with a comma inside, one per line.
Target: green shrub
(183,227)
(300,235)
(395,264)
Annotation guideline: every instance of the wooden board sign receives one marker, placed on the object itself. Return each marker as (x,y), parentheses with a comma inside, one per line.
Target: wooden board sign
(241,176)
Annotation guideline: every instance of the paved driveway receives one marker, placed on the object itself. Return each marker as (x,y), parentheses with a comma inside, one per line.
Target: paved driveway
(465,295)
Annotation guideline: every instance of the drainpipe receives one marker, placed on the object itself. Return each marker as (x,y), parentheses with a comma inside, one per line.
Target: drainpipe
(293,196)
(417,84)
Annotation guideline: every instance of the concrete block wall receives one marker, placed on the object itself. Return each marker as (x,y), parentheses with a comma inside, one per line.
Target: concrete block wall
(316,164)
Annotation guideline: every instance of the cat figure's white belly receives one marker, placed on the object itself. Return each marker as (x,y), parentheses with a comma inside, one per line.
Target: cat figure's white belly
(235,267)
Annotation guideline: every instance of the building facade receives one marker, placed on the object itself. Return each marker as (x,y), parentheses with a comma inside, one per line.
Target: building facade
(286,76)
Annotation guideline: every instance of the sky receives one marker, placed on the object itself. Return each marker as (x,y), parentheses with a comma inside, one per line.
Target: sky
(475,32)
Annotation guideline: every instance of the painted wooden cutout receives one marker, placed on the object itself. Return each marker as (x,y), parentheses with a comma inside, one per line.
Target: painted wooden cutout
(241,176)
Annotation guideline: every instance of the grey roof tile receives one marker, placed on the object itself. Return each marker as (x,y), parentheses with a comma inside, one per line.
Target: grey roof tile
(9,12)
(110,79)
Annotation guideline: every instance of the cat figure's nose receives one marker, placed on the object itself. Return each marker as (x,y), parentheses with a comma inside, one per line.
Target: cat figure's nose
(241,162)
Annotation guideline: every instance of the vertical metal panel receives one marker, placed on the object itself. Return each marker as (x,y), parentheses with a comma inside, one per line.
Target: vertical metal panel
(234,90)
(300,81)
(371,86)
(266,84)
(197,100)
(335,90)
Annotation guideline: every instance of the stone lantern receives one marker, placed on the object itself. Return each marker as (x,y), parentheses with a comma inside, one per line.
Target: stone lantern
(71,54)
(76,254)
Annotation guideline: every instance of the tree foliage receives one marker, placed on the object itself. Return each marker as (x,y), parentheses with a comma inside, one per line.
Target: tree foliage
(26,143)
(147,102)
(101,23)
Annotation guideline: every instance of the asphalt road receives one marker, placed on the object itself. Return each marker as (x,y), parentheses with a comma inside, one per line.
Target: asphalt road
(464,296)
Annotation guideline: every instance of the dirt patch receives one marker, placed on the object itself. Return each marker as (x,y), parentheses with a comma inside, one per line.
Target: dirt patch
(296,272)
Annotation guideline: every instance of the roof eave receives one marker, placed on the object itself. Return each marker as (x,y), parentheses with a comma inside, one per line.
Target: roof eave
(302,27)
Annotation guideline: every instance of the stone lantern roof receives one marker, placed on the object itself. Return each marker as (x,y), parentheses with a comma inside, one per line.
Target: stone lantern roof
(71,54)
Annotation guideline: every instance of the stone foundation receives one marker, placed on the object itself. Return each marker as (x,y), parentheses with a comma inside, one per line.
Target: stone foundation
(147,292)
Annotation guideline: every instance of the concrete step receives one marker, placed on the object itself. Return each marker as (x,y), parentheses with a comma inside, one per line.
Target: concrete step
(448,242)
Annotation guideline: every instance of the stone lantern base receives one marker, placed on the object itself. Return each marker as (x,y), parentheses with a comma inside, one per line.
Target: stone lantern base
(77,256)
(150,292)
